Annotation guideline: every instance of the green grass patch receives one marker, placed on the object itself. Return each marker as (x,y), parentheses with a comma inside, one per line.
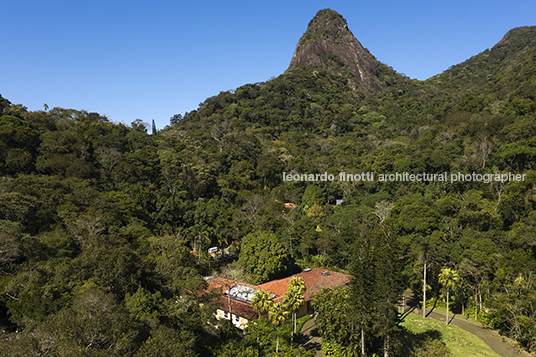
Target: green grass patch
(460,342)
(301,321)
(467,316)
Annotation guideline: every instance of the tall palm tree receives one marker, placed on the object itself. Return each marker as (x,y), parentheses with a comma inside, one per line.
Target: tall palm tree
(294,298)
(261,302)
(423,244)
(449,279)
(277,315)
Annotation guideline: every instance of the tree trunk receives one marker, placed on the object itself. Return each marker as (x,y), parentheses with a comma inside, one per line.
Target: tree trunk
(424,293)
(199,248)
(277,345)
(447,319)
(363,342)
(230,305)
(386,346)
(476,309)
(293,329)
(290,244)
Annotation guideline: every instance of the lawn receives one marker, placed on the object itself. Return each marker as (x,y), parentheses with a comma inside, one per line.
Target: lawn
(460,342)
(301,321)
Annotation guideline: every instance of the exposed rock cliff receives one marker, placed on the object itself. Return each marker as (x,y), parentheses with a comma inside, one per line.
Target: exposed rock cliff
(328,43)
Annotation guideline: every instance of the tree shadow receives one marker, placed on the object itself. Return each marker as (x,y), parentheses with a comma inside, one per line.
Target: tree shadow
(407,342)
(408,311)
(411,305)
(452,318)
(432,309)
(312,346)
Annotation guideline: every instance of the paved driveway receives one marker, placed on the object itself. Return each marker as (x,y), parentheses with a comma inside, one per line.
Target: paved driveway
(495,341)
(310,338)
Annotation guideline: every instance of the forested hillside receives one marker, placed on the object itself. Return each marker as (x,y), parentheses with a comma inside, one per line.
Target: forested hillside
(104,227)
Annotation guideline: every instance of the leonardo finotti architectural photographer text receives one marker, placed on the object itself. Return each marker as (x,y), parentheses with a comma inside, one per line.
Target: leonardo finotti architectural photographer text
(405,177)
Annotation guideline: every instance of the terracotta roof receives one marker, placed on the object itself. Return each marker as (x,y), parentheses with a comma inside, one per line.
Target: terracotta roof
(315,280)
(238,307)
(222,284)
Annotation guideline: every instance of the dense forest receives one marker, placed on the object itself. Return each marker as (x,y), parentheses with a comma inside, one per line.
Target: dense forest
(105,227)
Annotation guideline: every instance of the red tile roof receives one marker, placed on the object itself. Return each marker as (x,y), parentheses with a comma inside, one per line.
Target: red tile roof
(222,284)
(315,280)
(238,306)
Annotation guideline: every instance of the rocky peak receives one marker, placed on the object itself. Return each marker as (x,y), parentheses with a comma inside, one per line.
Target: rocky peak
(328,43)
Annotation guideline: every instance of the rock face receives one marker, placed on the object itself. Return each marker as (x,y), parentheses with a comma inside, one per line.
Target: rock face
(328,43)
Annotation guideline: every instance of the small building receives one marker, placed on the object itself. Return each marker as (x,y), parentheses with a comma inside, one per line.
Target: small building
(314,279)
(235,301)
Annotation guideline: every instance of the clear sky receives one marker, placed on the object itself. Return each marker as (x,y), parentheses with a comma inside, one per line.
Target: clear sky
(151,59)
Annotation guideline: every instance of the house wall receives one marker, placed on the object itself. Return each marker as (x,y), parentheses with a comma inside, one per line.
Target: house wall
(238,321)
(303,310)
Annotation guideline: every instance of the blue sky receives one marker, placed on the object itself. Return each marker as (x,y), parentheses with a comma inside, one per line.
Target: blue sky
(151,59)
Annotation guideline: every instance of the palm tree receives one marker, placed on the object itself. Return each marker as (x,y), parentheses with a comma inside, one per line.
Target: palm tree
(294,298)
(261,302)
(277,315)
(423,244)
(449,279)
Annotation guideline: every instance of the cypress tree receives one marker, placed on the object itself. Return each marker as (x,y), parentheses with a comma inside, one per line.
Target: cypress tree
(362,287)
(377,286)
(388,284)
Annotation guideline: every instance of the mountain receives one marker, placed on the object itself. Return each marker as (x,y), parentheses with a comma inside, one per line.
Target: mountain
(329,44)
(98,219)
(507,66)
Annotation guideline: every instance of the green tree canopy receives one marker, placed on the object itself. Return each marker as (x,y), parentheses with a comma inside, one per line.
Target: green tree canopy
(264,256)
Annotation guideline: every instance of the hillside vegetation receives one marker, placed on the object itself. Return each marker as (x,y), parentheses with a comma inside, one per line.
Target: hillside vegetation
(98,220)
